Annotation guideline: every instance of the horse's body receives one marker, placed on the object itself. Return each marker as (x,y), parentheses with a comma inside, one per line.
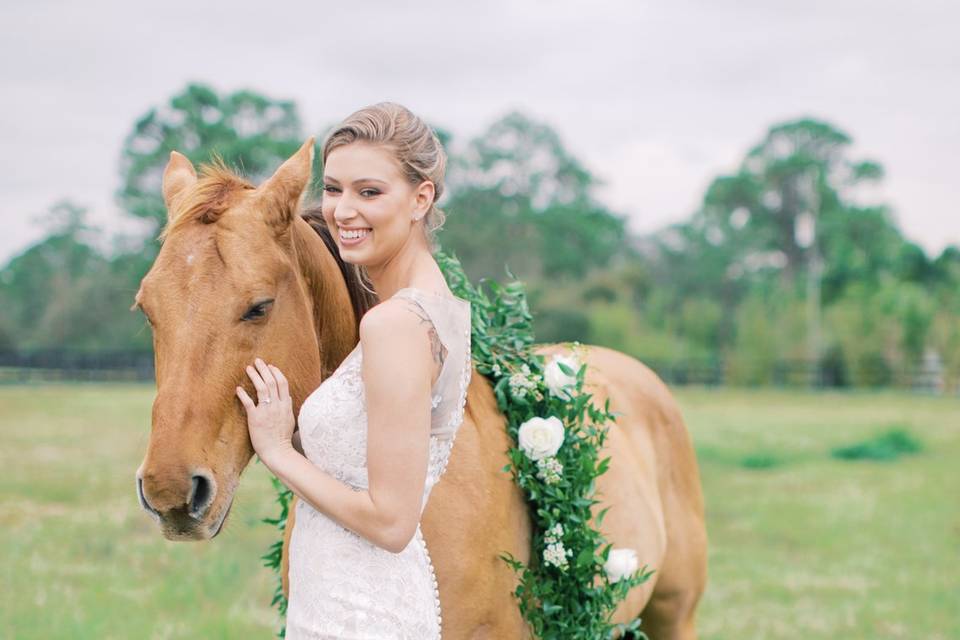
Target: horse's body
(476,512)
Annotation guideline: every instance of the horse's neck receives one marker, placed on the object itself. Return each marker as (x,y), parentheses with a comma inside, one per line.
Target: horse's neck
(329,299)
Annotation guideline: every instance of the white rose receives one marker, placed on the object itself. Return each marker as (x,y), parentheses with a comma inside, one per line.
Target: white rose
(556,380)
(620,564)
(541,437)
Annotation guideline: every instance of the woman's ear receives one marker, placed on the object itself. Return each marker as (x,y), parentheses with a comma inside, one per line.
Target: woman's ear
(423,198)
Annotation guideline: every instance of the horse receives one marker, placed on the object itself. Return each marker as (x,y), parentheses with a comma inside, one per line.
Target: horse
(245,272)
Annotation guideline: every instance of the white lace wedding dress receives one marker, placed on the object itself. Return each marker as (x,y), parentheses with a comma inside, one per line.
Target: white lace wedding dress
(341,585)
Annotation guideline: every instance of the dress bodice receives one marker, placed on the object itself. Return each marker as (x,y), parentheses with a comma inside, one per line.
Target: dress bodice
(333,419)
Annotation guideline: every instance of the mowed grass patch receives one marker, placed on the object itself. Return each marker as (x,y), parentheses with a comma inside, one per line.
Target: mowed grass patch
(803,544)
(81,560)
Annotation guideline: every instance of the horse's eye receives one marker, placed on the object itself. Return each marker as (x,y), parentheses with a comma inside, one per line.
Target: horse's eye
(258,310)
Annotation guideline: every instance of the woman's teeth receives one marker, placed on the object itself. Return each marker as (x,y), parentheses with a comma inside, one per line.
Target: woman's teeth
(351,235)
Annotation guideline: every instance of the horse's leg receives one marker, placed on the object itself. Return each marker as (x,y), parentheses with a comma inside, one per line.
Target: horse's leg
(285,552)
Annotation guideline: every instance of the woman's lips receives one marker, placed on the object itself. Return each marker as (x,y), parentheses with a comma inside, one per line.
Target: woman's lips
(351,242)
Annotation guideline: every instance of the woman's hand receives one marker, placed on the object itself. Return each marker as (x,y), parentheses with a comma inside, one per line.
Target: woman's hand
(271,422)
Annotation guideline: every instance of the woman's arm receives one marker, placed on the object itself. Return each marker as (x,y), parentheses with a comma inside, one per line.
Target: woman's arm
(397,369)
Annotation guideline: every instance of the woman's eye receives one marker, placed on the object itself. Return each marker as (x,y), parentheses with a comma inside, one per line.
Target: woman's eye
(330,189)
(372,192)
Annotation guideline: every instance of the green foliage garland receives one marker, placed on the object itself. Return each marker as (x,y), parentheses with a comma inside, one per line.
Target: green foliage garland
(274,555)
(565,592)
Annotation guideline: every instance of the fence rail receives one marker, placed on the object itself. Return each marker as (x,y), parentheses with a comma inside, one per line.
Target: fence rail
(77,365)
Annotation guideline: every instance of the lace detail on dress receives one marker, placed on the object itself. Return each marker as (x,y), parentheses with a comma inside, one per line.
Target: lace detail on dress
(342,585)
(454,380)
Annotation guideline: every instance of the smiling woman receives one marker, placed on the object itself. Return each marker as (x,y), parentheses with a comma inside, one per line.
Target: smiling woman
(376,435)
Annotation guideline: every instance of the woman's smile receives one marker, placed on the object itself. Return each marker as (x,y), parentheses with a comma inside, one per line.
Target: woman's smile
(353,237)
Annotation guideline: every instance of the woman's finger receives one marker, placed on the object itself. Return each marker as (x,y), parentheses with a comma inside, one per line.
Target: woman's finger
(282,386)
(245,399)
(268,378)
(262,391)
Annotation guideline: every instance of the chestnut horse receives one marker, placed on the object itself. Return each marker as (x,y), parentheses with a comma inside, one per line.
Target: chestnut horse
(242,273)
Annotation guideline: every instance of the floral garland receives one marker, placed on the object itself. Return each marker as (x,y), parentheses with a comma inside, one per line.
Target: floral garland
(575,579)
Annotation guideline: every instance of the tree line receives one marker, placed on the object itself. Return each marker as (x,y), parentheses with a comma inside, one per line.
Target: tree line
(782,262)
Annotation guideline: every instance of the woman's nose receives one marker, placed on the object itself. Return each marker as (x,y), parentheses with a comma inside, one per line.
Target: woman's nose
(345,209)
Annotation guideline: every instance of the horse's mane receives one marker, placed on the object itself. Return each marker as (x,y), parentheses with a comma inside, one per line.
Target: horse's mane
(213,195)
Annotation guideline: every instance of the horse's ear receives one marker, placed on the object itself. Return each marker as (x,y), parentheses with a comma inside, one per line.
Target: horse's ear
(178,175)
(285,187)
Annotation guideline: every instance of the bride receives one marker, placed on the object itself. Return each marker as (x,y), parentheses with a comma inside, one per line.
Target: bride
(373,439)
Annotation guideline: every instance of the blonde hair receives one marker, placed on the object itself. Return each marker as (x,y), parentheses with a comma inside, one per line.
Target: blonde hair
(414,144)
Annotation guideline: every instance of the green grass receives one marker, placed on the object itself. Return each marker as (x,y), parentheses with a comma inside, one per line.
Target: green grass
(812,546)
(802,544)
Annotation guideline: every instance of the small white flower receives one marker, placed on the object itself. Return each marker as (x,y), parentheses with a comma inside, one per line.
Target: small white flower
(559,383)
(541,437)
(496,369)
(549,470)
(556,555)
(621,563)
(554,533)
(520,385)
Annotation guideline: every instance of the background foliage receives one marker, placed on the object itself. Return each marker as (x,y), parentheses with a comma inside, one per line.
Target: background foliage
(787,260)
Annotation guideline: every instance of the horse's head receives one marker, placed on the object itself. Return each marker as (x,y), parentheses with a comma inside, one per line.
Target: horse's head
(226,287)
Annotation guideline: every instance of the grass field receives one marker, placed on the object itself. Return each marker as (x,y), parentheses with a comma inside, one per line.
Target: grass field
(803,545)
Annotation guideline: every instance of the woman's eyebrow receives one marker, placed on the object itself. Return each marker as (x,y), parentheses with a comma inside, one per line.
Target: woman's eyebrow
(332,179)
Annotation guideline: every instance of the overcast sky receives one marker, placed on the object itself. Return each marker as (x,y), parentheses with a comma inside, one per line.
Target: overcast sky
(655,97)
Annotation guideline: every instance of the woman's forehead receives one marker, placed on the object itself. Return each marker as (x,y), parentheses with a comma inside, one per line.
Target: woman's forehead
(357,161)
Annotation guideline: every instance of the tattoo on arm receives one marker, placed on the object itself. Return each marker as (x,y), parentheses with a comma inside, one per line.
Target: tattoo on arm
(437,349)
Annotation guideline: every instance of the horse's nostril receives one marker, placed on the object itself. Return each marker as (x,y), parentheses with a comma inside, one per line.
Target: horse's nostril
(142,498)
(200,496)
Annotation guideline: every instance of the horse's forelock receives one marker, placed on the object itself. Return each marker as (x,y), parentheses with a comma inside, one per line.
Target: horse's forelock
(214,193)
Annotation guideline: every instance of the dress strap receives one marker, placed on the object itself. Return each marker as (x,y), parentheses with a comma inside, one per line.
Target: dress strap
(451,320)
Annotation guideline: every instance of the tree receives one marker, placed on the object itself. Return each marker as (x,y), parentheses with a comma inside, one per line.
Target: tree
(796,178)
(520,198)
(521,158)
(249,131)
(791,199)
(62,293)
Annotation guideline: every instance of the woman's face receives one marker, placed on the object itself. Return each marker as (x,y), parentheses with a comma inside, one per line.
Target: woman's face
(368,204)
